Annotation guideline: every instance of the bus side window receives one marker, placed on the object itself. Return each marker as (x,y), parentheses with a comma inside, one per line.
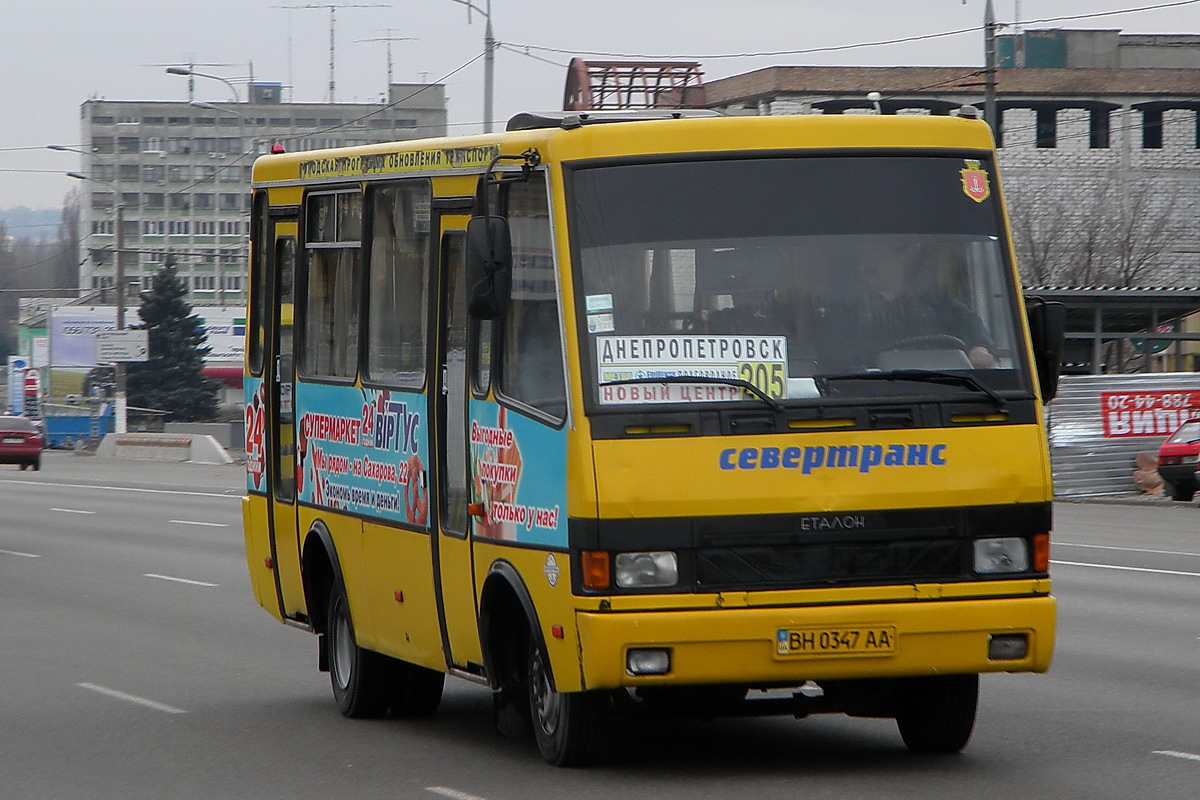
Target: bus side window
(531,367)
(397,281)
(332,286)
(480,354)
(259,285)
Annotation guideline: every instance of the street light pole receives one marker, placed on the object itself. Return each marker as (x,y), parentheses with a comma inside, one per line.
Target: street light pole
(120,402)
(254,142)
(489,58)
(989,80)
(191,72)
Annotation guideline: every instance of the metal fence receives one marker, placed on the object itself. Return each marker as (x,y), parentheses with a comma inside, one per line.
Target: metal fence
(1088,462)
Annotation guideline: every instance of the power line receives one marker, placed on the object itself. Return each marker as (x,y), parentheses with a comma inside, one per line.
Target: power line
(388,106)
(516,49)
(856,45)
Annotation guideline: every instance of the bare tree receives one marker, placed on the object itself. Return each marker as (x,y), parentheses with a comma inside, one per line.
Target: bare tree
(1038,231)
(1106,237)
(1144,231)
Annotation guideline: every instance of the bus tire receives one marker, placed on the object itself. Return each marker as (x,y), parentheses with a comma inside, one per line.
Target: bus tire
(360,678)
(937,713)
(417,692)
(570,727)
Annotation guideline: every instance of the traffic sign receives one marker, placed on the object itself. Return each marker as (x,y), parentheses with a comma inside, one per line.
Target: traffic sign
(122,346)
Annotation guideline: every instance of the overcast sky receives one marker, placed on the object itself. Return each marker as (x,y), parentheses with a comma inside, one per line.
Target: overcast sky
(55,54)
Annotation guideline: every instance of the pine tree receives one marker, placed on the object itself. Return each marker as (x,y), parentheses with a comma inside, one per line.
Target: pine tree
(171,380)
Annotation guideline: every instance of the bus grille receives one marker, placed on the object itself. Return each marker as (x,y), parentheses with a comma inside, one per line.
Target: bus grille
(830,564)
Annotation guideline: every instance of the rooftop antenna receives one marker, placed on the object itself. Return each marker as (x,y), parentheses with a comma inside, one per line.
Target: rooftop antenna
(389,39)
(333,7)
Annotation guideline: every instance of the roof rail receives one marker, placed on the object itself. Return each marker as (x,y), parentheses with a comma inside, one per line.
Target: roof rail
(528,121)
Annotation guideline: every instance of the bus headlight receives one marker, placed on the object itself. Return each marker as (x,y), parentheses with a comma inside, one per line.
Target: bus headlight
(1007,554)
(643,570)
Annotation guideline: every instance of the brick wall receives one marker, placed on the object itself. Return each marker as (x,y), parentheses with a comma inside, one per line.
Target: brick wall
(1146,198)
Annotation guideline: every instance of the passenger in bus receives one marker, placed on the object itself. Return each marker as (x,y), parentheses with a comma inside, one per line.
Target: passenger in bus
(900,304)
(747,313)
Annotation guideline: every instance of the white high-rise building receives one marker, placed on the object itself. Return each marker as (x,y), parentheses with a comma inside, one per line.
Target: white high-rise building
(177,176)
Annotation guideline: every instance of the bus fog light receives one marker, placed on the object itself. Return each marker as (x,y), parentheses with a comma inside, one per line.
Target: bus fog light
(648,661)
(1008,646)
(1008,554)
(640,570)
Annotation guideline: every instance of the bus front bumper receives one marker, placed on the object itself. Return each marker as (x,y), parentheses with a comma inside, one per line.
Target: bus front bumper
(787,646)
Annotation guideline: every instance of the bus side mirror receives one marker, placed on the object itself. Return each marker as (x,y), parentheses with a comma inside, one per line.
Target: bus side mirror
(489,266)
(1047,329)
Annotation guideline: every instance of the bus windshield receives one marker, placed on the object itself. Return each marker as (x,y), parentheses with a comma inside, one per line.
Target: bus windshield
(807,277)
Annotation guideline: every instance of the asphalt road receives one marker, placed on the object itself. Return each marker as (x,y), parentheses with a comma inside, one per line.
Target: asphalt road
(134,663)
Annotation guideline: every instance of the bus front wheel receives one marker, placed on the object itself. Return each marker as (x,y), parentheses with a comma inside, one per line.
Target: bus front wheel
(937,713)
(360,678)
(570,727)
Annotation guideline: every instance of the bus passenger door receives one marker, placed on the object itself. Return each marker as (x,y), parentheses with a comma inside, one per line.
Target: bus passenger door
(281,433)
(456,600)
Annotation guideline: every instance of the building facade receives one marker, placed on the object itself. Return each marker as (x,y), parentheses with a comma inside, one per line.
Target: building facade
(1099,143)
(170,180)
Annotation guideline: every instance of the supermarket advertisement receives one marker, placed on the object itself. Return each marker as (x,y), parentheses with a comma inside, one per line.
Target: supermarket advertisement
(363,451)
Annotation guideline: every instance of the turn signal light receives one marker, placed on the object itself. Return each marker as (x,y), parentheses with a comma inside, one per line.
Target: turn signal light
(1041,552)
(596,572)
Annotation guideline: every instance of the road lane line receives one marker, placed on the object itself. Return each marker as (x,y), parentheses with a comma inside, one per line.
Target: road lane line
(455,793)
(205,524)
(179,580)
(132,698)
(235,496)
(1125,569)
(1177,754)
(72,511)
(19,553)
(1127,549)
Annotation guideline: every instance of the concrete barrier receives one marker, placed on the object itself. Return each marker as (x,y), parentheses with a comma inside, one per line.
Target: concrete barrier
(230,435)
(164,447)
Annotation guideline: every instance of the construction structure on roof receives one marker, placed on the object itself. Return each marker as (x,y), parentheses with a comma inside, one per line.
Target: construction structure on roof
(616,85)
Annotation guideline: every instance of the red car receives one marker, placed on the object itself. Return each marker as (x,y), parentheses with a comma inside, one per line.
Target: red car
(1178,458)
(20,442)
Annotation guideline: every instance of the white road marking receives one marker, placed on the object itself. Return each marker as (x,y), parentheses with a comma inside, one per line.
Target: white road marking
(205,524)
(237,496)
(179,580)
(455,793)
(1177,754)
(1125,569)
(18,553)
(132,698)
(72,511)
(1126,549)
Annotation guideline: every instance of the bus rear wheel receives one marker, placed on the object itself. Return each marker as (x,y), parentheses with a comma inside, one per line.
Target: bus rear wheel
(360,678)
(570,727)
(937,713)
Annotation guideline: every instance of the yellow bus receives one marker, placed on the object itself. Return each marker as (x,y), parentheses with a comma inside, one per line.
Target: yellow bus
(641,413)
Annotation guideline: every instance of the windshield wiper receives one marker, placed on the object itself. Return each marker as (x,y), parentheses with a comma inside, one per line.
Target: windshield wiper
(922,376)
(774,404)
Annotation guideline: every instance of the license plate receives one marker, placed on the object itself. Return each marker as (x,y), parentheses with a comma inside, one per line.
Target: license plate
(12,440)
(865,641)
